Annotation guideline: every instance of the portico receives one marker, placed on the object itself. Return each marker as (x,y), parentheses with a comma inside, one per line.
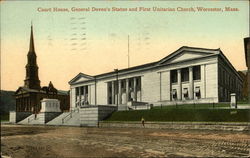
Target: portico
(127,90)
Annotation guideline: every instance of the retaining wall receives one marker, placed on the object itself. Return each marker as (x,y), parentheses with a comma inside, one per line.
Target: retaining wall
(15,117)
(180,125)
(90,116)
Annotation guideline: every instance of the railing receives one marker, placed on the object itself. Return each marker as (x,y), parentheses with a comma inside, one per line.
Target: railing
(195,105)
(69,115)
(32,118)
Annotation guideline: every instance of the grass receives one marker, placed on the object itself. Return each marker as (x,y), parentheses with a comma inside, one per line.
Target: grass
(183,114)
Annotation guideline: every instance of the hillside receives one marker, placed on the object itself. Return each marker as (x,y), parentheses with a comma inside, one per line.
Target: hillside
(7,101)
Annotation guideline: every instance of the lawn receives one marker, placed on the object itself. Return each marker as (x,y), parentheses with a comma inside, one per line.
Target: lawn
(183,114)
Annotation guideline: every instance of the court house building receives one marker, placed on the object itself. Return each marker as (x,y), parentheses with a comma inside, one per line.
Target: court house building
(188,75)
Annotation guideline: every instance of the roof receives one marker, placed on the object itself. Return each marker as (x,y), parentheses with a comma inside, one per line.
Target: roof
(59,92)
(170,56)
(29,90)
(81,75)
(164,61)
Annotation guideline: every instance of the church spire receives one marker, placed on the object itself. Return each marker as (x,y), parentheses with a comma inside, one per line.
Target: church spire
(32,80)
(32,47)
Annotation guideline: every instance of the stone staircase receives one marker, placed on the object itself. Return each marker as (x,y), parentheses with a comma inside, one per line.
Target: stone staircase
(58,119)
(71,118)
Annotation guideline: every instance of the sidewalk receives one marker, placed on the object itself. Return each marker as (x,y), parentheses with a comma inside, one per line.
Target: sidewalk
(240,106)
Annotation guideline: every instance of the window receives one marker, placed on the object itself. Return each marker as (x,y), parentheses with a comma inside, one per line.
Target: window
(138,83)
(130,83)
(77,90)
(185,92)
(173,74)
(174,94)
(116,87)
(81,90)
(197,72)
(86,89)
(197,92)
(123,85)
(184,75)
(109,93)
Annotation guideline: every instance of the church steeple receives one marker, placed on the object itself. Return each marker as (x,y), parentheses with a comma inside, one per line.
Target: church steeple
(32,80)
(32,47)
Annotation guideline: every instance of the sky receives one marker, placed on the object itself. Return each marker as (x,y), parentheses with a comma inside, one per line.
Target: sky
(95,42)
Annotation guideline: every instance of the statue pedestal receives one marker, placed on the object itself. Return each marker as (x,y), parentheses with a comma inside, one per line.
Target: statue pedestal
(50,110)
(50,105)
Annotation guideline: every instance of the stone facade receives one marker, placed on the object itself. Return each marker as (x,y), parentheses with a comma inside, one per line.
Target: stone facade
(243,75)
(247,56)
(187,75)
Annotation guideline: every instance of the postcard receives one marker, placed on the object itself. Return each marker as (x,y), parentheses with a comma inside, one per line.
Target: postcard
(152,78)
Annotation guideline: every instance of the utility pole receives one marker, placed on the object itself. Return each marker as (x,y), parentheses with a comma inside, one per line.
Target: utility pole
(128,52)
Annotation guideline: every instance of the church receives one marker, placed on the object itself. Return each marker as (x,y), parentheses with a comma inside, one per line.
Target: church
(187,76)
(29,96)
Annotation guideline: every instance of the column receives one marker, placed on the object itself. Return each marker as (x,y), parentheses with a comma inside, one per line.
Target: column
(179,91)
(119,92)
(84,94)
(89,94)
(191,84)
(82,100)
(113,92)
(203,81)
(127,90)
(135,90)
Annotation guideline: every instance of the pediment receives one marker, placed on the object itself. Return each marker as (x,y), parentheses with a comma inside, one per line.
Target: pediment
(185,54)
(80,78)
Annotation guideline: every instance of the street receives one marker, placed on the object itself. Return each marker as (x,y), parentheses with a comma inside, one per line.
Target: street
(20,141)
